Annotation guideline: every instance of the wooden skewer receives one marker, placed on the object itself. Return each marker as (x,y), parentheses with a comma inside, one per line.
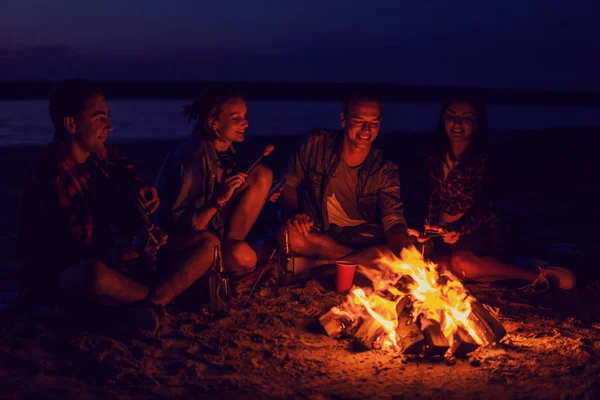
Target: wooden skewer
(268,150)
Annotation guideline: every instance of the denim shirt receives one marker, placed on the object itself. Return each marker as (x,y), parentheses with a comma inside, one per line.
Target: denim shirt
(185,183)
(377,193)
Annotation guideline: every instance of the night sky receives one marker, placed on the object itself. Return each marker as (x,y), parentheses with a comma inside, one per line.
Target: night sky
(553,44)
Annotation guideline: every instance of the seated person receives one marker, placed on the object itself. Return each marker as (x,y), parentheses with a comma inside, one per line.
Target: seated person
(460,205)
(342,194)
(199,190)
(66,245)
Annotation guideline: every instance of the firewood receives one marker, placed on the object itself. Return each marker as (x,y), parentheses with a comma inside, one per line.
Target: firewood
(435,341)
(370,332)
(487,327)
(408,335)
(463,343)
(334,323)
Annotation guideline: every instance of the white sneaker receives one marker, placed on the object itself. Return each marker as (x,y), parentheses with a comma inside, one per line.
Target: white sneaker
(559,276)
(552,277)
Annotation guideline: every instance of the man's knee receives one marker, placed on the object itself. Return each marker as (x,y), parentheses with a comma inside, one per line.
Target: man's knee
(296,240)
(242,258)
(205,238)
(262,176)
(465,264)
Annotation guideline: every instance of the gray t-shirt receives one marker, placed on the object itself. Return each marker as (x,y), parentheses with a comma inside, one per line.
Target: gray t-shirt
(342,207)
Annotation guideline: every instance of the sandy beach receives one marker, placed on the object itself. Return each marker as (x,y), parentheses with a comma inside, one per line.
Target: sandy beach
(275,348)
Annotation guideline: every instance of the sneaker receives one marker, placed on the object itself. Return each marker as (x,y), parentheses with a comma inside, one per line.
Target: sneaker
(143,315)
(559,277)
(552,277)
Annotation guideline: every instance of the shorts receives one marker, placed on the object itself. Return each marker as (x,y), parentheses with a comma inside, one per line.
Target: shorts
(358,237)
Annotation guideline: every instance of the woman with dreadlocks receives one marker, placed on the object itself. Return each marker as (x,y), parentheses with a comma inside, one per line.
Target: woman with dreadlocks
(460,203)
(198,189)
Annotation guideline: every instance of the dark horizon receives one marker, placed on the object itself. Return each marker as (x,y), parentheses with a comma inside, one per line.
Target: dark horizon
(309,91)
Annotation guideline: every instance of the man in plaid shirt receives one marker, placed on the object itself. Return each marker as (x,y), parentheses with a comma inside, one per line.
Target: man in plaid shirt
(80,189)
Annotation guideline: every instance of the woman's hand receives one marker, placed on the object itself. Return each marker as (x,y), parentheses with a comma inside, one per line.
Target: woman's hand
(273,197)
(228,186)
(451,237)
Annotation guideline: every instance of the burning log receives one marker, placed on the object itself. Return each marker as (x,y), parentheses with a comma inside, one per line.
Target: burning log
(370,333)
(334,323)
(414,307)
(462,343)
(409,337)
(485,325)
(436,343)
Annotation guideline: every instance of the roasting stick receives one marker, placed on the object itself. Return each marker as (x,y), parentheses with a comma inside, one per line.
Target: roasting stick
(268,150)
(259,278)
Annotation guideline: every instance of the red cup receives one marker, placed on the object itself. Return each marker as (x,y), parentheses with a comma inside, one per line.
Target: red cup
(345,276)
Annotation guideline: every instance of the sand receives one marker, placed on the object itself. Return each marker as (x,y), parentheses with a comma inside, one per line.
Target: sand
(275,348)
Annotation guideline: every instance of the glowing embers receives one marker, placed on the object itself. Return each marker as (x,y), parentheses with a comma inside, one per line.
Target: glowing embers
(414,306)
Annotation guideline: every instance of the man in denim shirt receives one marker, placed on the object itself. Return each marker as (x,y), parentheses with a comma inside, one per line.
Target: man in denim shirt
(342,194)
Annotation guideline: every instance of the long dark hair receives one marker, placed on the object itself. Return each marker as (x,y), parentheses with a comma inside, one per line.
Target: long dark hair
(208,108)
(440,143)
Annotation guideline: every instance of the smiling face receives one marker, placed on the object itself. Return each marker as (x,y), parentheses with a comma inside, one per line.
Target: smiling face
(91,127)
(232,122)
(460,121)
(361,124)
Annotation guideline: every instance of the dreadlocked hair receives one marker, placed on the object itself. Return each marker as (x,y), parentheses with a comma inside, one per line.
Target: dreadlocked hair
(207,109)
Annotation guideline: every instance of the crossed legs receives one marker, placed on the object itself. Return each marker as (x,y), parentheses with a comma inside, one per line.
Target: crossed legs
(189,257)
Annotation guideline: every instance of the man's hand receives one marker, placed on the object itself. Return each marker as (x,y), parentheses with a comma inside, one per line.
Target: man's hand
(302,222)
(150,241)
(228,186)
(435,228)
(149,197)
(451,237)
(397,238)
(417,234)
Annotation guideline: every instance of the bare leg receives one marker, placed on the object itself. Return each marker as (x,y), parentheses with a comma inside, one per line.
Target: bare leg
(92,279)
(188,266)
(251,200)
(316,245)
(239,258)
(487,269)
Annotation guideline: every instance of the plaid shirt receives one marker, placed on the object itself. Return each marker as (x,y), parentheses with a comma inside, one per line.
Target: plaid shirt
(65,212)
(464,191)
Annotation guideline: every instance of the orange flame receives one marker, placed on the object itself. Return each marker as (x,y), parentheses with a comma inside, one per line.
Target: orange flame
(439,297)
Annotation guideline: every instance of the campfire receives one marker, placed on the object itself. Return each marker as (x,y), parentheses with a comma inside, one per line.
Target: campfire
(415,307)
